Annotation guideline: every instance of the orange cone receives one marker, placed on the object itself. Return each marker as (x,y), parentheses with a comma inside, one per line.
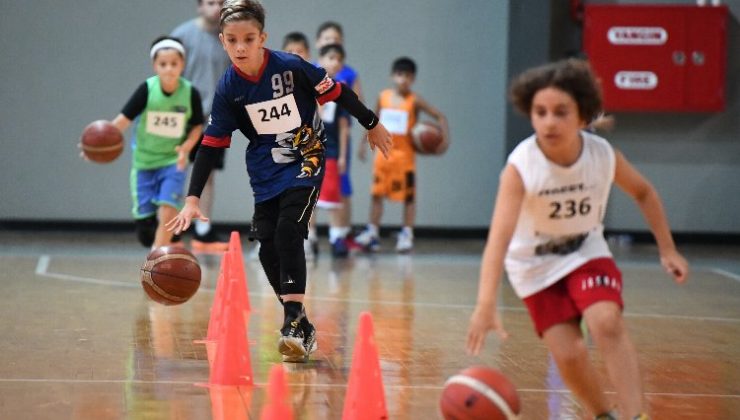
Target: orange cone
(232,365)
(229,402)
(278,403)
(237,268)
(216,312)
(365,398)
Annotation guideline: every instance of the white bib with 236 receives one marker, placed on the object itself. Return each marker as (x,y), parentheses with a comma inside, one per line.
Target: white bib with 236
(165,124)
(275,116)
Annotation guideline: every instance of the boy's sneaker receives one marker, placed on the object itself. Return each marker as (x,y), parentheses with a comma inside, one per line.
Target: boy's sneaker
(339,248)
(290,343)
(309,344)
(405,242)
(368,240)
(208,243)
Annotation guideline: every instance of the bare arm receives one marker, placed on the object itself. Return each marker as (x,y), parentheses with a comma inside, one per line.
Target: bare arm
(503,222)
(424,106)
(636,186)
(343,140)
(362,152)
(121,122)
(183,150)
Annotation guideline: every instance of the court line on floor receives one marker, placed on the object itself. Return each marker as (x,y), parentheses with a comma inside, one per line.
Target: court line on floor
(320,385)
(44,261)
(725,273)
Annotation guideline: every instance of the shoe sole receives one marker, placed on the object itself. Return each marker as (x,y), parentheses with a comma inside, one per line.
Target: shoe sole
(301,359)
(291,347)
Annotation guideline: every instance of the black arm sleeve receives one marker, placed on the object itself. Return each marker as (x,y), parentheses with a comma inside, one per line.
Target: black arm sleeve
(348,100)
(205,160)
(196,117)
(136,103)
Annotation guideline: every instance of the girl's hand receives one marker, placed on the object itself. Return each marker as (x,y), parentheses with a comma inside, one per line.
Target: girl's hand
(380,137)
(484,319)
(190,211)
(182,158)
(675,265)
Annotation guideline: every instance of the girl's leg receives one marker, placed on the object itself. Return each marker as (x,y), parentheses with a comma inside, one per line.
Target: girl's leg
(606,324)
(163,237)
(567,346)
(376,210)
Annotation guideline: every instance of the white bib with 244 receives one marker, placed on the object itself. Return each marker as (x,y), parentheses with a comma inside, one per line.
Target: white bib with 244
(275,116)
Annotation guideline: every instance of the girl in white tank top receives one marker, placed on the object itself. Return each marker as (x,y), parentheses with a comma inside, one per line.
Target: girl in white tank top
(547,223)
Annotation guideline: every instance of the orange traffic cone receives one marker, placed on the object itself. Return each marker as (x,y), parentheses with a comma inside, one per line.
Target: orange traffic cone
(237,268)
(278,403)
(232,365)
(365,398)
(230,402)
(216,312)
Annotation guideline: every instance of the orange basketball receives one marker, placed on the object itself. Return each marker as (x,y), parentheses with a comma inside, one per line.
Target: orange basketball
(101,141)
(479,392)
(427,138)
(170,275)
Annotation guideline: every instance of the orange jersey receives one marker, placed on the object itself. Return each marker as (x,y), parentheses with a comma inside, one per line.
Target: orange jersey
(394,177)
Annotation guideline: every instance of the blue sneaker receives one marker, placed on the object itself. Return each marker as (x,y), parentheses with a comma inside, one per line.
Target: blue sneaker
(339,248)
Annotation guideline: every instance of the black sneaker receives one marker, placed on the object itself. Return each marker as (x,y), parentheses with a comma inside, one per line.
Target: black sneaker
(291,339)
(309,344)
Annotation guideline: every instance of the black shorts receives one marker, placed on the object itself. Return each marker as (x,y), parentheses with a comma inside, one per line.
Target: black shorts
(221,154)
(295,204)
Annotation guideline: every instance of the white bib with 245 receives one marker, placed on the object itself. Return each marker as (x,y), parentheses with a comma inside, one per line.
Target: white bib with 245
(275,116)
(165,124)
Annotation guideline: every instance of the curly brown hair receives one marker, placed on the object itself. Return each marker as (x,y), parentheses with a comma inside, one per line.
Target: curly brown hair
(236,10)
(572,76)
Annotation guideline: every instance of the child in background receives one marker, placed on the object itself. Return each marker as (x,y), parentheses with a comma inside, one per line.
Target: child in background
(547,230)
(331,33)
(336,125)
(165,105)
(297,43)
(207,62)
(395,178)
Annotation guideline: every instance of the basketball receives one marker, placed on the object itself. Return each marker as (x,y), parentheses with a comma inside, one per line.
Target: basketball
(479,392)
(427,138)
(101,141)
(170,275)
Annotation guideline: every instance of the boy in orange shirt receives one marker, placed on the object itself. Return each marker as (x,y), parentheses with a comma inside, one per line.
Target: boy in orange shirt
(395,178)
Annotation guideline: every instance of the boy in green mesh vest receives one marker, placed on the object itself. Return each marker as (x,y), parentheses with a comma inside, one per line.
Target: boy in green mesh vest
(170,120)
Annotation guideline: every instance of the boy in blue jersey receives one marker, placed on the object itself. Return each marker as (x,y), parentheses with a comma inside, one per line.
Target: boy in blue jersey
(271,97)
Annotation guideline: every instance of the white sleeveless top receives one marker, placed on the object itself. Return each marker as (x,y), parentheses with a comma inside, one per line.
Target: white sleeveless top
(560,225)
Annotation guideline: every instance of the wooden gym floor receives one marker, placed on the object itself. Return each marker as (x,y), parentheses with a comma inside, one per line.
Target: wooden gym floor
(80,340)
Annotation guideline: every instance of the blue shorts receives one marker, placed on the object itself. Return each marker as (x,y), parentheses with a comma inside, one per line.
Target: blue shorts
(345,183)
(151,188)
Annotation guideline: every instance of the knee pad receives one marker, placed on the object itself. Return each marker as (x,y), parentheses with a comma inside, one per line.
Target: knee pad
(288,235)
(146,229)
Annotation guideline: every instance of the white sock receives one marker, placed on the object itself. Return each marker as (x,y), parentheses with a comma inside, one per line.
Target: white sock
(201,227)
(344,231)
(408,230)
(373,229)
(335,233)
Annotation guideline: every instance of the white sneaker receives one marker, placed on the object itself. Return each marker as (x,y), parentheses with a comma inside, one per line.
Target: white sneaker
(405,241)
(368,240)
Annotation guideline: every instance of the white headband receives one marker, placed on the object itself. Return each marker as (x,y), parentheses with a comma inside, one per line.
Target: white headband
(166,43)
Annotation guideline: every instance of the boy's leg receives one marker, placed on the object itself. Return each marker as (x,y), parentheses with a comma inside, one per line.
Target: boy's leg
(566,344)
(163,237)
(297,334)
(606,324)
(264,221)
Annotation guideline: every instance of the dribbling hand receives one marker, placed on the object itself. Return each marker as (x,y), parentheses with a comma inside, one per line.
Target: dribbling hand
(190,211)
(483,320)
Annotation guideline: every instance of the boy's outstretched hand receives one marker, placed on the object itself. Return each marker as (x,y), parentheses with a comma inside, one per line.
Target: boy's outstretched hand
(190,211)
(484,319)
(380,137)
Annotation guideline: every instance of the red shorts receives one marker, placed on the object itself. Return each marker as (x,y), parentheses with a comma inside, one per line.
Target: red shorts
(595,281)
(330,194)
